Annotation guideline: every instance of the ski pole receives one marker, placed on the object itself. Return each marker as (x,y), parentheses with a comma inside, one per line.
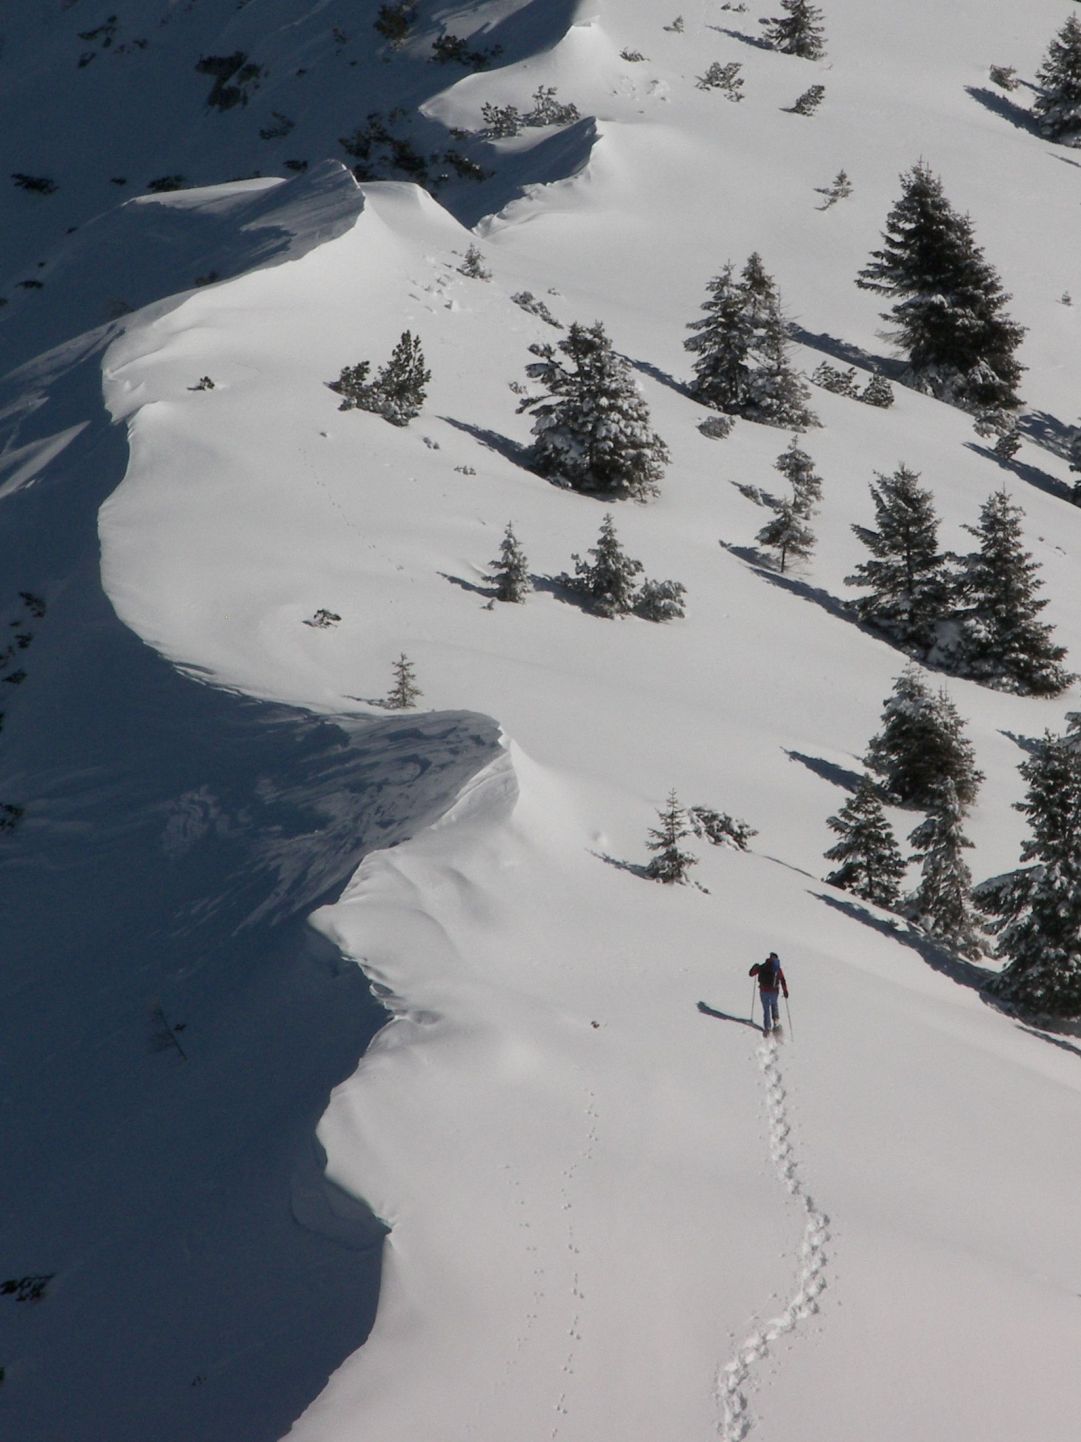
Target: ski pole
(788,1014)
(754,987)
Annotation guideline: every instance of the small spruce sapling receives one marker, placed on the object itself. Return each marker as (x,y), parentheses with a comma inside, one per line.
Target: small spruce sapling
(877,392)
(839,188)
(511,570)
(670,863)
(609,581)
(473,265)
(405,693)
(789,533)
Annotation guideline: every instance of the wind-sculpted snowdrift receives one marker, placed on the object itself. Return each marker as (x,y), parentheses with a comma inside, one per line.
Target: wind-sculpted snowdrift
(174,1023)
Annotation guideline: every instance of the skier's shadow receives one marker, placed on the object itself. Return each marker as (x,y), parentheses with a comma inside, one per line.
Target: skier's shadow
(724,1016)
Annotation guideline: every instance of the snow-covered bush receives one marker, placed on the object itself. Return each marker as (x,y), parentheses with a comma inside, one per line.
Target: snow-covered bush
(839,382)
(720,829)
(808,101)
(725,78)
(397,392)
(661,601)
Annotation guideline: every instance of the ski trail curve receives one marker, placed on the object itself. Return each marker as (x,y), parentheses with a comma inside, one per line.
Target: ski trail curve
(732,1379)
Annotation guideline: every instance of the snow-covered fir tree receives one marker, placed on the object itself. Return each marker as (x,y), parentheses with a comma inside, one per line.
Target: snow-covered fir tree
(609,581)
(789,532)
(722,345)
(922,747)
(1035,911)
(949,304)
(1057,106)
(870,862)
(741,345)
(405,693)
(511,569)
(799,31)
(942,905)
(1000,639)
(670,862)
(591,426)
(798,470)
(906,578)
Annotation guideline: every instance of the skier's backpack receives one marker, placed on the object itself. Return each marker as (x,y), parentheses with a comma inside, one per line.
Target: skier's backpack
(768,974)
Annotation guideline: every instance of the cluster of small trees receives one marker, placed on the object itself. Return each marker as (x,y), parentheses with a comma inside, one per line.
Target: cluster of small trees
(1034,911)
(742,365)
(670,862)
(607,580)
(974,615)
(922,759)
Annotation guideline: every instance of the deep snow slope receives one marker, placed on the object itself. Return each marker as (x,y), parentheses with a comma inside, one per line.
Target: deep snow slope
(612,1210)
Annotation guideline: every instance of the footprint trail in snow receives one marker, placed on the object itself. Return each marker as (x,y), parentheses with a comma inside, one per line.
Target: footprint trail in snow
(732,1380)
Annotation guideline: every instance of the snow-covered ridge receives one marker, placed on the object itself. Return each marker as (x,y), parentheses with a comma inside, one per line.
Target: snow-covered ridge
(578,1172)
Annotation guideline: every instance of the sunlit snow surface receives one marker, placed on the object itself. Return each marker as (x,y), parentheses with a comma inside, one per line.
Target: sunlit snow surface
(612,1213)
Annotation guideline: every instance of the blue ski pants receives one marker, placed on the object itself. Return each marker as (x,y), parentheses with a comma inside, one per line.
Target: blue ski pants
(771,1016)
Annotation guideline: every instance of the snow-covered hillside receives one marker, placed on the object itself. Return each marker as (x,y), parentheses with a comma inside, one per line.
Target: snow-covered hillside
(591,1200)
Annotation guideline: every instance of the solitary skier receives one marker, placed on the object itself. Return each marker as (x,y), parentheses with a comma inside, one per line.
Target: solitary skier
(771,983)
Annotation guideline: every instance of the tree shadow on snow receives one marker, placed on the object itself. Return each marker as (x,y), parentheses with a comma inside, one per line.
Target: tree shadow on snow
(832,605)
(663,378)
(1030,745)
(1004,108)
(503,446)
(848,352)
(634,867)
(757,42)
(828,770)
(1049,432)
(1053,1040)
(1031,475)
(488,592)
(964,973)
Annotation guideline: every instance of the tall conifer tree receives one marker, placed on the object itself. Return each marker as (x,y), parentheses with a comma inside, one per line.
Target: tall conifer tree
(908,587)
(949,303)
(942,903)
(871,865)
(922,747)
(1001,640)
(1036,910)
(1057,107)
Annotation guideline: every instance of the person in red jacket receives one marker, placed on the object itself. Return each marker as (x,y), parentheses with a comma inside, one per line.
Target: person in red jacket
(771,982)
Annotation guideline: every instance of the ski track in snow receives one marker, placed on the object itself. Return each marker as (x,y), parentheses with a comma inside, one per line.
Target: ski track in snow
(733,1378)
